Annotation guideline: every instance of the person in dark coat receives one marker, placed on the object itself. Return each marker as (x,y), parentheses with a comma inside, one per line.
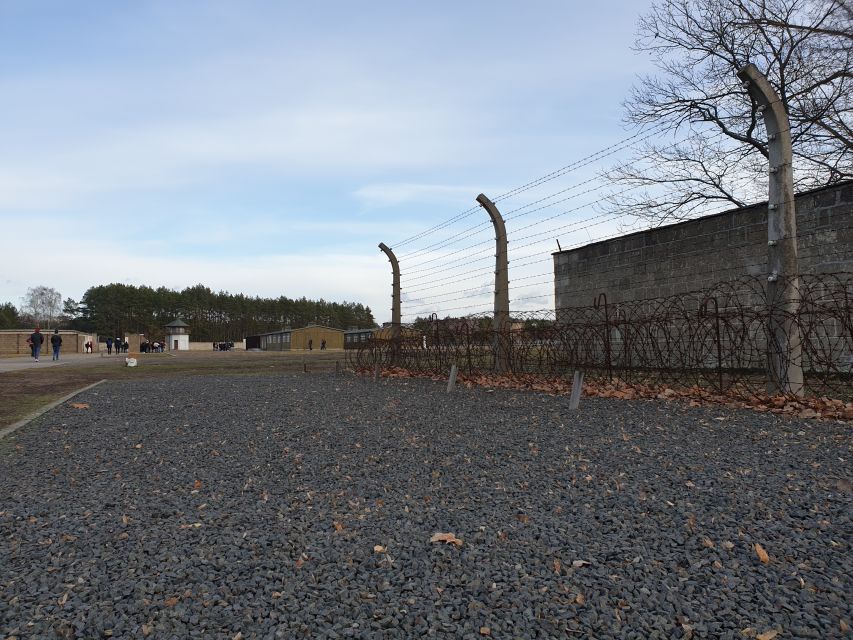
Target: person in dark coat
(56,343)
(37,340)
(109,346)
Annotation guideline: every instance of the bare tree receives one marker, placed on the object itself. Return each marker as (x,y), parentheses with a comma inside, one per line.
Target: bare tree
(43,304)
(716,152)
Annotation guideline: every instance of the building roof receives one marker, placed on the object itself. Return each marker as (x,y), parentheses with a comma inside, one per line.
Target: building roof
(317,326)
(177,323)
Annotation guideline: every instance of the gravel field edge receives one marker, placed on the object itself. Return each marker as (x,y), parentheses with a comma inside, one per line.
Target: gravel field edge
(20,423)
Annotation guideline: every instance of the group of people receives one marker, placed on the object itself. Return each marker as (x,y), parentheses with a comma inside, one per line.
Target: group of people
(36,340)
(311,345)
(150,347)
(223,346)
(121,346)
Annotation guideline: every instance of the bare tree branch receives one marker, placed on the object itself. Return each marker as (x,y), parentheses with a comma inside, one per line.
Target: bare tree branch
(802,46)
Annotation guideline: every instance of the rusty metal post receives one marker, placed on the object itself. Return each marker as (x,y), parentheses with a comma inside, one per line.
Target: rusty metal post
(395,290)
(785,367)
(501,321)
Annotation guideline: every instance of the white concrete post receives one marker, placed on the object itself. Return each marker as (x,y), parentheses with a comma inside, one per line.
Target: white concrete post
(785,365)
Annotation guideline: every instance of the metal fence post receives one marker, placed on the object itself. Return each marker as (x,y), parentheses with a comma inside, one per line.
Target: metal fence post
(785,366)
(501,321)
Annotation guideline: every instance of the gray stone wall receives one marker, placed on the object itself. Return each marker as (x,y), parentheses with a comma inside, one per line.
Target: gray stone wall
(698,253)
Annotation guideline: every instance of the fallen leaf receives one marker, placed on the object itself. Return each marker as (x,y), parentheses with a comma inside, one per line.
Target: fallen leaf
(449,538)
(197,485)
(762,554)
(137,446)
(557,565)
(379,549)
(707,542)
(147,629)
(125,520)
(485,631)
(843,626)
(79,405)
(767,635)
(171,602)
(523,518)
(122,536)
(728,546)
(338,526)
(63,599)
(277,594)
(579,599)
(579,563)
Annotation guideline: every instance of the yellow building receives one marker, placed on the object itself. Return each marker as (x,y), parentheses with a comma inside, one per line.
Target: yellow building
(313,336)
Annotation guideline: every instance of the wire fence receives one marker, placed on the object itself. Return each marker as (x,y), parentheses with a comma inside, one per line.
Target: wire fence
(721,339)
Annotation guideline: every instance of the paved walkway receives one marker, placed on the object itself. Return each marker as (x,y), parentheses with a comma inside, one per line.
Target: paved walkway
(18,363)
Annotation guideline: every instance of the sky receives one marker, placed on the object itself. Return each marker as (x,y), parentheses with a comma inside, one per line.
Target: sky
(268,147)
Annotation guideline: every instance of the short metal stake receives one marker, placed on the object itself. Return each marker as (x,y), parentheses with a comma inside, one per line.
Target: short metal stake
(451,382)
(577,386)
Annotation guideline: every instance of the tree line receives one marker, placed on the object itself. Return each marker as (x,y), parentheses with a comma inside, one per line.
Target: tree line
(121,309)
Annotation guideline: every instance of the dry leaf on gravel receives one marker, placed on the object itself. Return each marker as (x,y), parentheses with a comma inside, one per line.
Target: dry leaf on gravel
(197,485)
(579,563)
(485,631)
(379,549)
(171,602)
(761,553)
(79,405)
(767,635)
(449,538)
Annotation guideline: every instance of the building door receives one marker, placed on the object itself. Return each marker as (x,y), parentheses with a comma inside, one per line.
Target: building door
(176,345)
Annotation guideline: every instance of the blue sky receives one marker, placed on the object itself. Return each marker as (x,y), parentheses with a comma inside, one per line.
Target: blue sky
(268,147)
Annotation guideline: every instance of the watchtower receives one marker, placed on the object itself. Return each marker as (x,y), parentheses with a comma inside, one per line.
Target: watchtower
(178,335)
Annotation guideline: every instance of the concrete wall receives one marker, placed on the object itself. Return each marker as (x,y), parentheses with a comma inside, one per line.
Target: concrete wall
(696,254)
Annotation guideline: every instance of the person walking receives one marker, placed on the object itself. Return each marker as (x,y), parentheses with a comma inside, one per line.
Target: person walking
(56,343)
(38,340)
(109,346)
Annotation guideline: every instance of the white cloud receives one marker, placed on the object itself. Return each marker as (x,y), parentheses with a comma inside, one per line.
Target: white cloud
(376,196)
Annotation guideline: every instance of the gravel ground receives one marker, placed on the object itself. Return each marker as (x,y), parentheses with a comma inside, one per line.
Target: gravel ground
(303,506)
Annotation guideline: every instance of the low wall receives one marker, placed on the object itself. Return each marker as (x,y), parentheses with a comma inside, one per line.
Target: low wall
(13,342)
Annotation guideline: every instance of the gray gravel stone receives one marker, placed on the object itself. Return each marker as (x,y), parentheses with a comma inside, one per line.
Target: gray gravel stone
(280,506)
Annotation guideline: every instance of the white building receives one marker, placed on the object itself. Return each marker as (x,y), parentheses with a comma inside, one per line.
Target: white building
(177,336)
